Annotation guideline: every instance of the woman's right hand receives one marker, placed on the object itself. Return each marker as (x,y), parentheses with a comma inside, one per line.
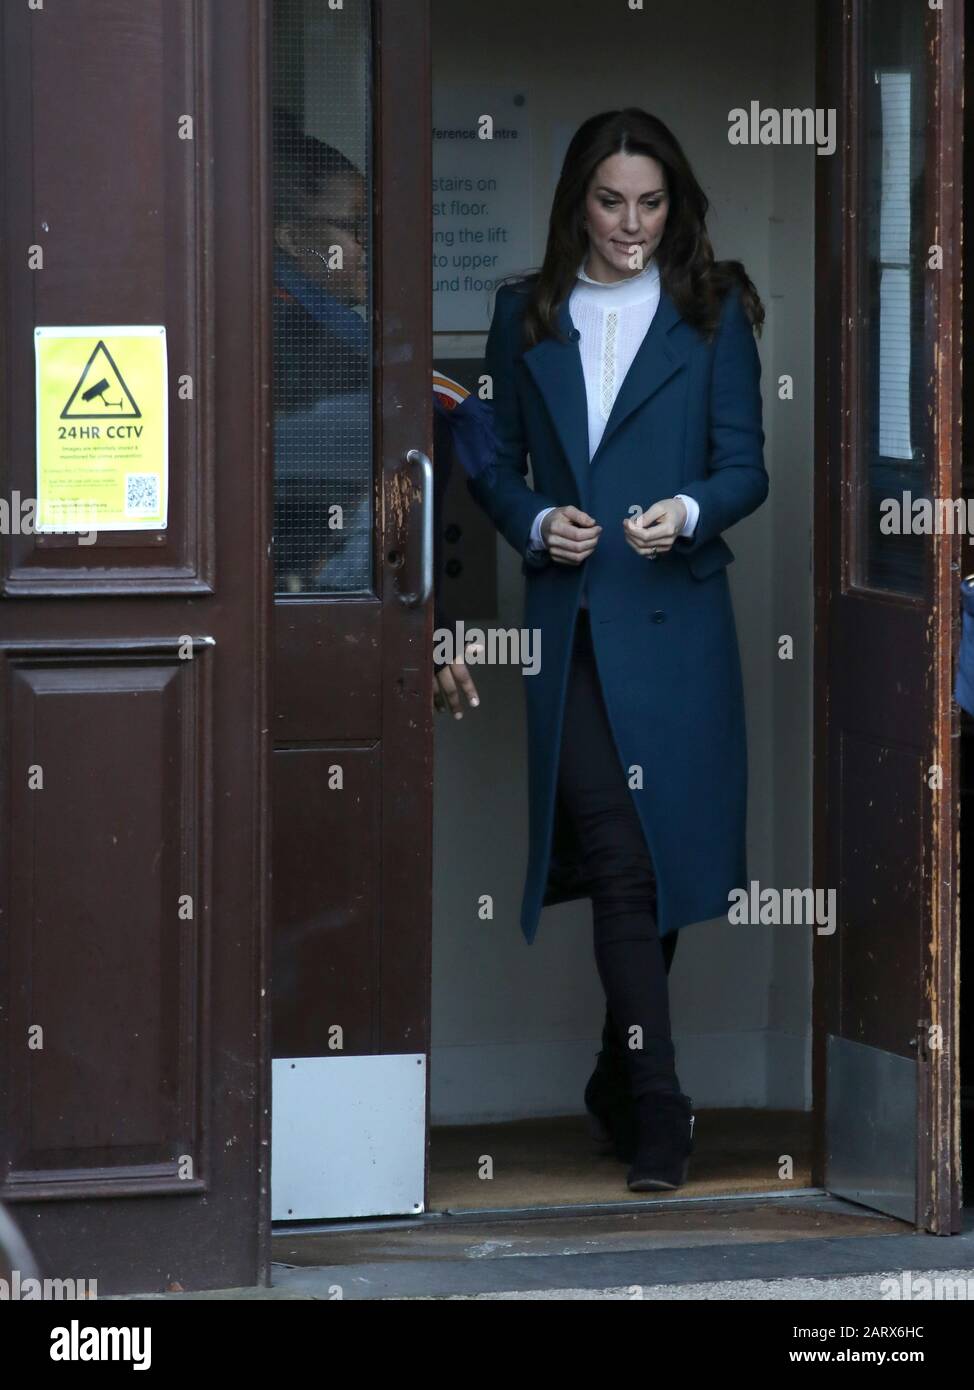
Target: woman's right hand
(448,681)
(570,535)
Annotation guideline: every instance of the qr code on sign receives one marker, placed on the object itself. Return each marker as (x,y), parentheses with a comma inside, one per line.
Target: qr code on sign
(141,494)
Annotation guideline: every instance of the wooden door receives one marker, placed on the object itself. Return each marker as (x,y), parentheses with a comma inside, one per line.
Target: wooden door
(133,671)
(352,714)
(888,382)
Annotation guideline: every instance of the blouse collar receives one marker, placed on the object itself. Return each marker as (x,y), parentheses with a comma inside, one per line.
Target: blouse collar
(631,290)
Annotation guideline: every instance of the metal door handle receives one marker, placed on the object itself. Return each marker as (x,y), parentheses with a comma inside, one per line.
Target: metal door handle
(415,599)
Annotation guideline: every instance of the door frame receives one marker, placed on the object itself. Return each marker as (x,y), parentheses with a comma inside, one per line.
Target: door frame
(939,1157)
(838,58)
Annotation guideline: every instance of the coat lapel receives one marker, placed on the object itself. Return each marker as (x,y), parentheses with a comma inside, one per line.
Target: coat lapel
(557,369)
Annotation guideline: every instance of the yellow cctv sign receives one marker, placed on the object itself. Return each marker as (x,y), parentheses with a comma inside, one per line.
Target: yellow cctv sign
(102,428)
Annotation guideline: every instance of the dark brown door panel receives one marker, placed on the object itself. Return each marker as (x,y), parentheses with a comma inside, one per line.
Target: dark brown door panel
(134,895)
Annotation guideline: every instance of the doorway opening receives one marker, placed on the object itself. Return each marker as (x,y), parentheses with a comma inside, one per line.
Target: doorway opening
(515,1028)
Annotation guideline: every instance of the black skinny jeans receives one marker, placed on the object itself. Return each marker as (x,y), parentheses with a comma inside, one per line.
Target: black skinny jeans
(632,961)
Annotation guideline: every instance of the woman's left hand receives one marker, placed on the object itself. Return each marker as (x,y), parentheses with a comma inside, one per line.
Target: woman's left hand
(653,532)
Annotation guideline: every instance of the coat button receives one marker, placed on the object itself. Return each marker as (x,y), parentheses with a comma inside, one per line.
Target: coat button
(574,335)
(659,616)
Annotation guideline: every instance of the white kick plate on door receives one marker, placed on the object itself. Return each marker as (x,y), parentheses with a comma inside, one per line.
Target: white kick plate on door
(348,1136)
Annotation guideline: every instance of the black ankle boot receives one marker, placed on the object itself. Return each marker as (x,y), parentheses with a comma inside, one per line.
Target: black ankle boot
(665,1141)
(608,1100)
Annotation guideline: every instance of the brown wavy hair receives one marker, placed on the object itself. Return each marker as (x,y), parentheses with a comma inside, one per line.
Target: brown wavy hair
(695,281)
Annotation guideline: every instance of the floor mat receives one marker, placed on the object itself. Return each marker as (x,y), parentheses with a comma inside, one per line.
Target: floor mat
(549,1162)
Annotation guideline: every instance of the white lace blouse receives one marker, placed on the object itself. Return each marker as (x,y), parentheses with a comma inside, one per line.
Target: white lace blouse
(612,320)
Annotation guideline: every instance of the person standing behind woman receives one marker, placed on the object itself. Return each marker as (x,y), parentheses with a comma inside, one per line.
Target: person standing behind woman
(627,369)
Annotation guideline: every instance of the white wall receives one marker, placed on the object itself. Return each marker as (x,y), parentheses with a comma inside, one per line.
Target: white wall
(515,1027)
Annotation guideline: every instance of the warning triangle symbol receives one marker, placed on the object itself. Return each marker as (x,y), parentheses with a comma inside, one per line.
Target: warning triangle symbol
(101,393)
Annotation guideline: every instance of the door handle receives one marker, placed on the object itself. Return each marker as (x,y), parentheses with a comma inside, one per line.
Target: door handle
(419,597)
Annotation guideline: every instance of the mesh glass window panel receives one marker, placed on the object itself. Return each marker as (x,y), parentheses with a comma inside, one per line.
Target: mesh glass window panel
(322,313)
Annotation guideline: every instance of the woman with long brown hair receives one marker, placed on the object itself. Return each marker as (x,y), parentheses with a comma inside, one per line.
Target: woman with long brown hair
(627,369)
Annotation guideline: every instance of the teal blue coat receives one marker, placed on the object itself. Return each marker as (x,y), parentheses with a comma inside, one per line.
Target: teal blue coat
(687,419)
